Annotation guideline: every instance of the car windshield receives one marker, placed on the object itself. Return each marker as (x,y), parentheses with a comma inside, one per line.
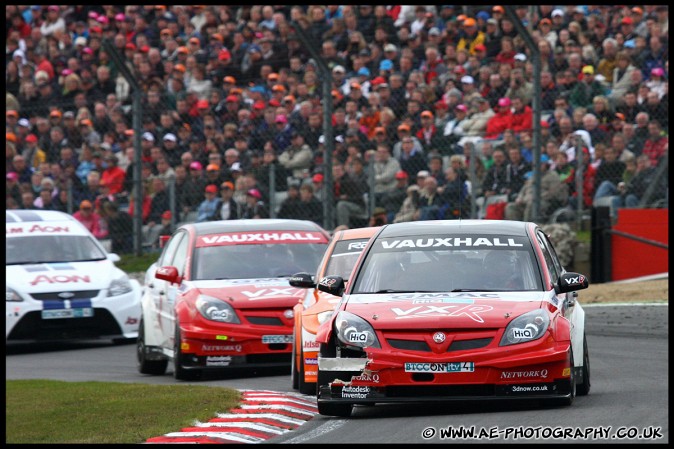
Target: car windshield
(344,257)
(51,248)
(256,261)
(429,264)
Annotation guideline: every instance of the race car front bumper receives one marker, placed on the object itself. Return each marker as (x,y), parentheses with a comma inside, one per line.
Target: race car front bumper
(97,316)
(235,347)
(520,373)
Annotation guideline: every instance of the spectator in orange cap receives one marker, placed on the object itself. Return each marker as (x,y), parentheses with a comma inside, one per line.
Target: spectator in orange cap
(428,133)
(404,131)
(472,36)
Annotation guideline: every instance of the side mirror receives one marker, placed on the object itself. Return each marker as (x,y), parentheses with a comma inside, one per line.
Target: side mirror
(169,274)
(571,282)
(114,257)
(302,280)
(332,284)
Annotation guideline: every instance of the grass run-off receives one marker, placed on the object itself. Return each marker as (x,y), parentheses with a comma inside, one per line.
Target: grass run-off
(57,412)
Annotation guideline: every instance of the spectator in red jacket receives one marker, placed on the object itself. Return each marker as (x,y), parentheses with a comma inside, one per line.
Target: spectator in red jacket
(501,121)
(656,144)
(523,116)
(113,176)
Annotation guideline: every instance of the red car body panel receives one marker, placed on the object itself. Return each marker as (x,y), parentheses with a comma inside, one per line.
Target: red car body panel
(306,314)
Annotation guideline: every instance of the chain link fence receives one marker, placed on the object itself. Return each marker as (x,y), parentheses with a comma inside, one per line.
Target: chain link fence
(233,131)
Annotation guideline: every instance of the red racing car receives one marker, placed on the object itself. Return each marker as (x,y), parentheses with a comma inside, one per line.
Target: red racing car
(451,311)
(340,258)
(219,296)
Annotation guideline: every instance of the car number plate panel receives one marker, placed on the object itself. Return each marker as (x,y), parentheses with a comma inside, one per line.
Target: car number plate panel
(85,312)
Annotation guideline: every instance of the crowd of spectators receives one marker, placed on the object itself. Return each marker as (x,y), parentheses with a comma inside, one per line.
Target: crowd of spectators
(419,92)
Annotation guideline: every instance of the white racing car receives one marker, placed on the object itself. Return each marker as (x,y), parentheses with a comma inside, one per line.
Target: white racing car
(62,284)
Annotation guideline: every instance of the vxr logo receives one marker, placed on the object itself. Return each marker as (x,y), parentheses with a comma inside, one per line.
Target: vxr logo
(270,292)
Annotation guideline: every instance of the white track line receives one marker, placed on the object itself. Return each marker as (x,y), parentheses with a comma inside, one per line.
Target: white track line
(249,425)
(276,416)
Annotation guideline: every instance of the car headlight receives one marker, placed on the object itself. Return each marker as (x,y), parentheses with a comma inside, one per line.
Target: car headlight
(324,316)
(119,286)
(527,327)
(11,295)
(216,310)
(352,330)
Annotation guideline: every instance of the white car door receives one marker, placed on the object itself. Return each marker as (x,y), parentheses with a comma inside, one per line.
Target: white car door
(172,290)
(158,290)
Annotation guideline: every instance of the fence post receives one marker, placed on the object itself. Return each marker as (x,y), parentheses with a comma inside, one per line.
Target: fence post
(579,182)
(370,181)
(172,200)
(272,190)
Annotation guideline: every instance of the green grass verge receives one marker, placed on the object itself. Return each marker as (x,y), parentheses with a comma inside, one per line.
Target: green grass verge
(131,263)
(57,412)
(583,236)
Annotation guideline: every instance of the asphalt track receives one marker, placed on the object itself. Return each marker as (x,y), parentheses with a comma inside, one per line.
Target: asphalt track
(630,393)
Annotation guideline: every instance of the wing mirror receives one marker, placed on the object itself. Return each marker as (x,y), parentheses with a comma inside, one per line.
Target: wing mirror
(169,274)
(302,280)
(332,284)
(571,282)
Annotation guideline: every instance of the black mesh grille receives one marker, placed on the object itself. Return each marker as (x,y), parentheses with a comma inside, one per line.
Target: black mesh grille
(469,344)
(268,358)
(265,320)
(440,390)
(54,296)
(409,345)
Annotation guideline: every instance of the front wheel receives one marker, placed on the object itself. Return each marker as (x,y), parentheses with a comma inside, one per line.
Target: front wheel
(145,366)
(179,372)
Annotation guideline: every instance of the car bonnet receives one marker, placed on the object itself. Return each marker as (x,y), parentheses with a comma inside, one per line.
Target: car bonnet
(66,276)
(449,310)
(250,293)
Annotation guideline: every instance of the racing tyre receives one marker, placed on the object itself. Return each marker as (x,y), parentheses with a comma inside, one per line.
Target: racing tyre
(145,366)
(305,387)
(179,372)
(294,375)
(584,388)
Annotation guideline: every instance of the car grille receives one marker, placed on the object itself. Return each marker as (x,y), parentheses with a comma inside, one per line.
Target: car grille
(265,320)
(267,317)
(421,341)
(469,344)
(440,390)
(409,345)
(54,296)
